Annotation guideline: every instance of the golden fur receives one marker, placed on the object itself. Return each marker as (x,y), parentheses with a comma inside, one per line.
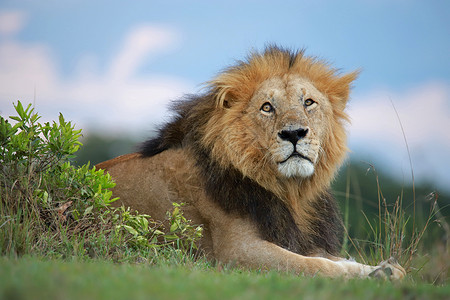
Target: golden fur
(253,158)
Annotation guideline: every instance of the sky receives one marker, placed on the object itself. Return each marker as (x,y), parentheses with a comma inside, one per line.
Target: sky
(112,67)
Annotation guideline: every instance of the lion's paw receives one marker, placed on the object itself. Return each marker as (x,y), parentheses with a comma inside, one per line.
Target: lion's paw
(389,269)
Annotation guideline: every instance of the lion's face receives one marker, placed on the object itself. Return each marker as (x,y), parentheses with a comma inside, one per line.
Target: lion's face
(282,127)
(290,118)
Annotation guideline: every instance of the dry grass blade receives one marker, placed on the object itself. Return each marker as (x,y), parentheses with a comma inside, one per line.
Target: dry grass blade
(410,163)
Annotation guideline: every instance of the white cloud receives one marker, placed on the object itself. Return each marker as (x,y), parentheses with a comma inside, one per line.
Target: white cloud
(424,112)
(139,44)
(118,100)
(11,22)
(22,68)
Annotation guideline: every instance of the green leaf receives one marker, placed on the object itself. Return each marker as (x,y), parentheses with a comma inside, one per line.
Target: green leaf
(174,227)
(19,110)
(171,237)
(15,119)
(88,210)
(130,230)
(158,232)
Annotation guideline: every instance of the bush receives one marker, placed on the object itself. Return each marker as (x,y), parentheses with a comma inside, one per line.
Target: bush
(50,208)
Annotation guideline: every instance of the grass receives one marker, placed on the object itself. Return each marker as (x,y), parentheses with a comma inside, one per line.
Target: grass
(393,231)
(31,278)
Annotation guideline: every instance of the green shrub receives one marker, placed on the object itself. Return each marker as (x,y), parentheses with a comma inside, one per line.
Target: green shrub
(50,208)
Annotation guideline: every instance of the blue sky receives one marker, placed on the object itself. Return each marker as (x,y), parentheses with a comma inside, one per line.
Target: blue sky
(113,66)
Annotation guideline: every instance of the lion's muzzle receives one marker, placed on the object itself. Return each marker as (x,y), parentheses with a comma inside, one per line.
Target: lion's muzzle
(293,136)
(299,159)
(296,154)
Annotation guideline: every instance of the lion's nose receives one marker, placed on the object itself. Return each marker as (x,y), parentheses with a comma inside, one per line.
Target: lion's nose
(293,135)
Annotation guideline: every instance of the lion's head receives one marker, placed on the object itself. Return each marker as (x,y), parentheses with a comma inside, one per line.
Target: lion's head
(278,115)
(277,118)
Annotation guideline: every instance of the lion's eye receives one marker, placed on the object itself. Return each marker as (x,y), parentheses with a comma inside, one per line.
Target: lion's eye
(309,102)
(267,107)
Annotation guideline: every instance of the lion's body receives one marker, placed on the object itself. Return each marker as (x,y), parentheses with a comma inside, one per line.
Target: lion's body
(253,159)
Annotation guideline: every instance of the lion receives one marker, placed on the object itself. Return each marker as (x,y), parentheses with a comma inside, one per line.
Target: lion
(253,158)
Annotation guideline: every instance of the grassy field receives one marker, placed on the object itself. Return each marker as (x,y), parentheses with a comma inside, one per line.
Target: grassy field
(29,278)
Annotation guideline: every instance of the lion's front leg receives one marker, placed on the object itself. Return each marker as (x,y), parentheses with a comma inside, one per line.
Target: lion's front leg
(389,269)
(239,243)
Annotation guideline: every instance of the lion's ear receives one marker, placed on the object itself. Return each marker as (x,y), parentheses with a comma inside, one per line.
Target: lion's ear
(224,97)
(226,103)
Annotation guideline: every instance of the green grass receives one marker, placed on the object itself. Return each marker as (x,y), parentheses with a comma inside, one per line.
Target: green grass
(31,278)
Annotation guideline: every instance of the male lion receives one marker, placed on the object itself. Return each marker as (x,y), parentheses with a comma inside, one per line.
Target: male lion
(253,158)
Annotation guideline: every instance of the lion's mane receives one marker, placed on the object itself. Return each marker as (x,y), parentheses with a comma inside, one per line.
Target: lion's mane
(236,175)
